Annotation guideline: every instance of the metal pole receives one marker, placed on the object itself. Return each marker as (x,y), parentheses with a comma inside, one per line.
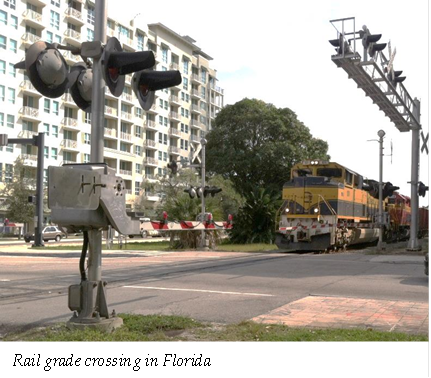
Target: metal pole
(40,143)
(381,134)
(203,143)
(97,124)
(413,244)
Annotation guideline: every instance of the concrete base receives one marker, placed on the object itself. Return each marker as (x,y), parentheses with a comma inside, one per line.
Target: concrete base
(104,325)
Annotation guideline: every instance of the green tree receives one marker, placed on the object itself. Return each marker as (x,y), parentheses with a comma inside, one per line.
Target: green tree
(255,144)
(17,191)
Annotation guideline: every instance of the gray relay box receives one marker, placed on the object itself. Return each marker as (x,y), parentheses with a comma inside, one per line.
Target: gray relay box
(86,197)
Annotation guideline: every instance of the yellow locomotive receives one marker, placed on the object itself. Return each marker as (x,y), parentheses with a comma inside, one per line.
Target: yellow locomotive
(327,205)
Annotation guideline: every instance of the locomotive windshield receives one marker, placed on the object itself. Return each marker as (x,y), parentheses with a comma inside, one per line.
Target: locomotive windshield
(329,172)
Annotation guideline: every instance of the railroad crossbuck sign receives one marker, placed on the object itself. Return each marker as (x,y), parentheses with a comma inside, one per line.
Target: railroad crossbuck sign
(425,142)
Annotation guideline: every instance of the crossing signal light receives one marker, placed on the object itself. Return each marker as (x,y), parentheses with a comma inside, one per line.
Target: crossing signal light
(146,82)
(388,189)
(81,85)
(191,192)
(339,44)
(369,42)
(213,190)
(46,68)
(116,63)
(173,166)
(422,189)
(395,78)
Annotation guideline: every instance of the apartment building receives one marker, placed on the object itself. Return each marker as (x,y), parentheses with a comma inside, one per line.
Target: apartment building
(138,143)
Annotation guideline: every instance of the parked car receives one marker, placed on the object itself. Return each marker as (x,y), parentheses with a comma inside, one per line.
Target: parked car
(48,233)
(145,232)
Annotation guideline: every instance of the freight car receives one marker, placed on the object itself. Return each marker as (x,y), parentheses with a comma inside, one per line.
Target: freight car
(328,206)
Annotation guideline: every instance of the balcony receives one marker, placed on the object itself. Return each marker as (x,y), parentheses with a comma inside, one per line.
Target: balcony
(217,89)
(110,133)
(27,134)
(33,19)
(151,161)
(68,100)
(69,144)
(151,144)
(152,125)
(74,16)
(127,116)
(174,116)
(195,109)
(174,100)
(174,132)
(195,78)
(29,38)
(125,172)
(110,111)
(28,88)
(126,136)
(69,123)
(196,124)
(195,138)
(70,58)
(29,160)
(153,109)
(127,98)
(195,93)
(72,37)
(174,150)
(27,112)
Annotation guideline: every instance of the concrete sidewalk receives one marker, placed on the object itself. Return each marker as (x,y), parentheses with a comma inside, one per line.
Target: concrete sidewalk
(341,312)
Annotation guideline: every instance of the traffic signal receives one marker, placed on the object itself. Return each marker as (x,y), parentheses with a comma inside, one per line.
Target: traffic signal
(191,191)
(339,43)
(388,189)
(116,63)
(199,192)
(213,190)
(46,68)
(81,85)
(422,189)
(395,78)
(146,82)
(173,166)
(369,42)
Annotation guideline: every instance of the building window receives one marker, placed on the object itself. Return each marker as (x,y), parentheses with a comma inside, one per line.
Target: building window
(13,46)
(185,67)
(137,188)
(165,55)
(86,158)
(9,148)
(160,138)
(10,3)
(12,70)
(2,42)
(58,38)
(56,107)
(160,155)
(1,119)
(2,92)
(138,150)
(55,20)
(54,153)
(56,3)
(54,130)
(2,67)
(138,168)
(87,118)
(87,138)
(14,21)
(165,156)
(49,36)
(138,131)
(90,15)
(46,129)
(185,83)
(45,176)
(10,121)
(204,76)
(46,105)
(46,152)
(3,17)
(11,95)
(8,173)
(90,35)
(141,45)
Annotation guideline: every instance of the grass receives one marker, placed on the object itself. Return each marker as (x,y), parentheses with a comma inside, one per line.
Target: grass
(178,328)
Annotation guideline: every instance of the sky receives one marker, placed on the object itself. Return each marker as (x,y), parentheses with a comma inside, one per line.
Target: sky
(278,52)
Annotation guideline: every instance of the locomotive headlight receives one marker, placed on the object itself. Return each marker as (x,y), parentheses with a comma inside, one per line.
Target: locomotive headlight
(287,210)
(316,210)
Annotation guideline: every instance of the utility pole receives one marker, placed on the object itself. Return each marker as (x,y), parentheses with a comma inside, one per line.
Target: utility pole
(380,245)
(203,143)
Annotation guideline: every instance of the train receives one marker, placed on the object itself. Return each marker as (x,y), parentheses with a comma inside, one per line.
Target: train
(327,206)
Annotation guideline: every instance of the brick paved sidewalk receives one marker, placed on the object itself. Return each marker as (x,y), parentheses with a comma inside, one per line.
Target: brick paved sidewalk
(339,312)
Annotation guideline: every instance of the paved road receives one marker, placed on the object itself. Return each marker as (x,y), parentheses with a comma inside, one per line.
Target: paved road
(208,286)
